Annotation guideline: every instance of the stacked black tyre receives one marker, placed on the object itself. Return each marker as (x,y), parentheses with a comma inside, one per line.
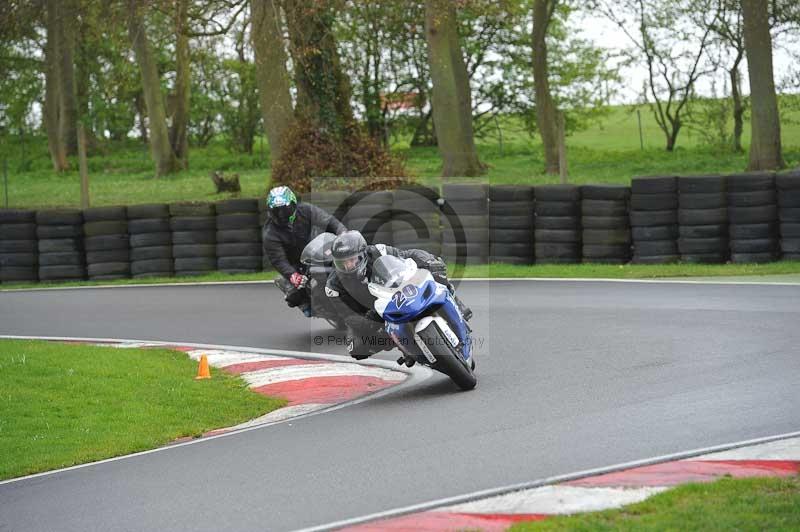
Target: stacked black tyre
(150,241)
(416,221)
(238,236)
(18,246)
(557,224)
(511,224)
(654,220)
(753,217)
(333,202)
(788,186)
(194,238)
(606,235)
(702,219)
(370,213)
(60,235)
(106,243)
(465,222)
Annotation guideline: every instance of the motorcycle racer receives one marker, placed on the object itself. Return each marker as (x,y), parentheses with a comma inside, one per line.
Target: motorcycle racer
(290,226)
(347,286)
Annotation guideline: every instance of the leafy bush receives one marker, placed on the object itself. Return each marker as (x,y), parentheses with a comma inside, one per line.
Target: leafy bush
(353,160)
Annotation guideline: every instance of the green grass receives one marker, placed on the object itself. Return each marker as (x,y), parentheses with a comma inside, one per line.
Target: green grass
(727,504)
(606,152)
(63,404)
(213,277)
(629,271)
(565,271)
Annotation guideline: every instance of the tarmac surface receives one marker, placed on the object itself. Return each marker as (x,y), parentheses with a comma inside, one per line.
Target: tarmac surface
(571,376)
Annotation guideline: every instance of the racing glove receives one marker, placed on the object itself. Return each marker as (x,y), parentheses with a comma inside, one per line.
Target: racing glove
(438,270)
(298,280)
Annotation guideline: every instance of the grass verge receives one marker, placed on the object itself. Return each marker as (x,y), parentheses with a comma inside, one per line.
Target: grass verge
(727,504)
(628,271)
(67,404)
(509,271)
(608,151)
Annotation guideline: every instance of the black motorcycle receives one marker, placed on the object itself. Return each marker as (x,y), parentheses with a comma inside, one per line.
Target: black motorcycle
(317,265)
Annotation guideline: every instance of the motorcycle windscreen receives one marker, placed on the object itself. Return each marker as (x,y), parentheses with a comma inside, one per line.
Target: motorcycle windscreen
(391,272)
(318,251)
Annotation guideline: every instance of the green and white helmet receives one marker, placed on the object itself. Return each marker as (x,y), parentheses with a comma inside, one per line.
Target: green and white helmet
(282,205)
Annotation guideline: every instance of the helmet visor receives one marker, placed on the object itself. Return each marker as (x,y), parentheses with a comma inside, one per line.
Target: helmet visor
(352,263)
(283,214)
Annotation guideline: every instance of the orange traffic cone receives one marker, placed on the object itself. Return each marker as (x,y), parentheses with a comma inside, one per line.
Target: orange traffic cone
(202,371)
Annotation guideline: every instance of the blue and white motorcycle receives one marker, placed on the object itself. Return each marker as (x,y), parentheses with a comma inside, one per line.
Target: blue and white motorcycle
(423,318)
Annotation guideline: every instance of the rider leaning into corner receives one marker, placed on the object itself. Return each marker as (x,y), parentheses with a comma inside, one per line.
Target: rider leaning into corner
(290,226)
(347,288)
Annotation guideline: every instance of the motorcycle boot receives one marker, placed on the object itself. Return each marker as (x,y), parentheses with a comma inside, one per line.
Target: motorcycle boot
(466,312)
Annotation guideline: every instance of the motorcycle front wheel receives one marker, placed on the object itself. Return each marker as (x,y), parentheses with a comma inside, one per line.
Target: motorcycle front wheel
(448,361)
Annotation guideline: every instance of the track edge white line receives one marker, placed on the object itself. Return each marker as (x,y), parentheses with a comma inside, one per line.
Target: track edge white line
(492,492)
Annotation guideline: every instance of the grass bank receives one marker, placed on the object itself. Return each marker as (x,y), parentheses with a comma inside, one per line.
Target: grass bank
(510,271)
(66,404)
(728,504)
(608,151)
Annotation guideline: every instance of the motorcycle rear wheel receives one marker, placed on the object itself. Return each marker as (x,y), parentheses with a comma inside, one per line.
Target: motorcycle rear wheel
(448,361)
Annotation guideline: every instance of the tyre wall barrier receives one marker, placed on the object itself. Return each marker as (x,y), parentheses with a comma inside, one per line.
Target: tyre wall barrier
(703,219)
(61,245)
(370,213)
(511,233)
(416,219)
(106,243)
(788,187)
(654,219)
(150,241)
(753,217)
(238,236)
(19,246)
(605,224)
(557,224)
(465,223)
(194,238)
(749,217)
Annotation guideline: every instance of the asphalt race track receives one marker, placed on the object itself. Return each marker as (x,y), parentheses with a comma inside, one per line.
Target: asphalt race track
(571,376)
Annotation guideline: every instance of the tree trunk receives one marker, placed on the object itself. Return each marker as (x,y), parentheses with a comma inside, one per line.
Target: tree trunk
(58,152)
(452,100)
(738,105)
(160,147)
(83,59)
(545,106)
(179,133)
(672,137)
(765,144)
(68,100)
(272,75)
(323,91)
(422,136)
(138,103)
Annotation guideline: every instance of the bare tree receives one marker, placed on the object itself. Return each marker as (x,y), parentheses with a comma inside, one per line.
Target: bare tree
(729,31)
(673,48)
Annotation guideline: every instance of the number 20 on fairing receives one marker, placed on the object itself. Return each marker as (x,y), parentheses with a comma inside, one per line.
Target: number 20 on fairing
(406,295)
